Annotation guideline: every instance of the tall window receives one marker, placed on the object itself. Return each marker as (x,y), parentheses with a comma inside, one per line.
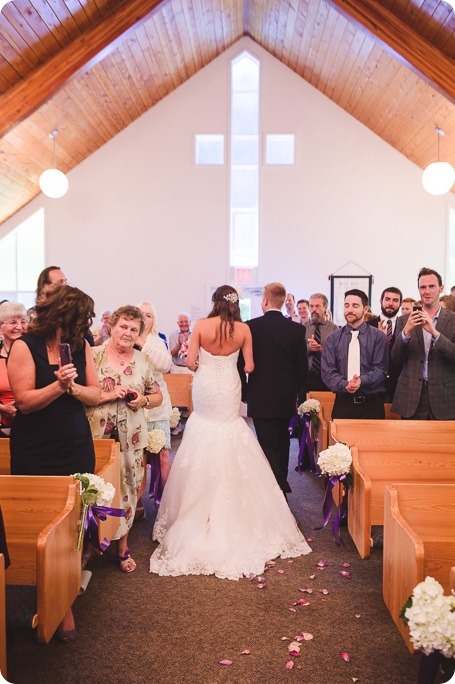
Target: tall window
(244,171)
(22,260)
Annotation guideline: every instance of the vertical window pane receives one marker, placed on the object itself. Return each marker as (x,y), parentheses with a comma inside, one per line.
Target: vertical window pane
(245,74)
(245,151)
(8,262)
(30,253)
(245,114)
(244,188)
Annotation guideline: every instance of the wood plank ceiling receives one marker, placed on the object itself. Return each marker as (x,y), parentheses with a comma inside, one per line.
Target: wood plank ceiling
(91,67)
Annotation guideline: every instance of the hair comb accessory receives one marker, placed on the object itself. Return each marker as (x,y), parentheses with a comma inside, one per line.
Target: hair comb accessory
(231,297)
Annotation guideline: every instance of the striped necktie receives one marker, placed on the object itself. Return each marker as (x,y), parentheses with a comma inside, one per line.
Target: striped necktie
(316,365)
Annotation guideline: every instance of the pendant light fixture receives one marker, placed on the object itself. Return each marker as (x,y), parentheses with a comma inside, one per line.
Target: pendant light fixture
(439,176)
(53,182)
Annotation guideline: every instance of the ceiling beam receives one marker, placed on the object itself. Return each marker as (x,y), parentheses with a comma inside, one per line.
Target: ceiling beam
(83,53)
(399,38)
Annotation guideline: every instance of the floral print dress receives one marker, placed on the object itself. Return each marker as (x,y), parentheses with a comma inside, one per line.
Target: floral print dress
(138,375)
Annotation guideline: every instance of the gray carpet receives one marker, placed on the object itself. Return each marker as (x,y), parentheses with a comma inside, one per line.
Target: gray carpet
(144,629)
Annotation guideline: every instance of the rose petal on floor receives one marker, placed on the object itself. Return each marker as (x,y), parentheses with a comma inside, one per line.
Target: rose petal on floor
(346,657)
(306,591)
(225,662)
(307,636)
(293,610)
(312,576)
(261,585)
(294,646)
(303,602)
(357,615)
(322,564)
(324,591)
(289,665)
(310,539)
(345,573)
(280,572)
(246,651)
(346,565)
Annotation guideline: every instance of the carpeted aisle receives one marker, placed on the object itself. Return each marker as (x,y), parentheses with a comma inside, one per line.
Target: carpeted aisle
(145,629)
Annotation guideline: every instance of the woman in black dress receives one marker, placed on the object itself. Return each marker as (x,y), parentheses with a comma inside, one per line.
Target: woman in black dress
(50,434)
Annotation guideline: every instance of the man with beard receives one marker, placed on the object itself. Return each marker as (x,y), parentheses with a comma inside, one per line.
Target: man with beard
(425,348)
(354,363)
(390,302)
(317,330)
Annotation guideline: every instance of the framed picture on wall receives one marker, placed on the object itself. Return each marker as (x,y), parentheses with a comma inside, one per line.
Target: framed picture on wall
(339,284)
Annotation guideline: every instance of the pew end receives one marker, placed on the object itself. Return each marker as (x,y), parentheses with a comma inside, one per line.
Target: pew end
(179,386)
(419,540)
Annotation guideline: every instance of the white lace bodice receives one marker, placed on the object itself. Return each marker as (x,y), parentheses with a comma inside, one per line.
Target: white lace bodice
(216,387)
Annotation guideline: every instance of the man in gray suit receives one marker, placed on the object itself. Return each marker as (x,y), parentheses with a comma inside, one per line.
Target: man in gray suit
(425,348)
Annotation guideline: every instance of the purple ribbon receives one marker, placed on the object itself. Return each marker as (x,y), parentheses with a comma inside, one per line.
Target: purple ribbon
(327,507)
(429,666)
(156,482)
(306,444)
(91,524)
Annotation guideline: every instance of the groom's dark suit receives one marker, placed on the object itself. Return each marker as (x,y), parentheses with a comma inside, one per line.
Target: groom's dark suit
(280,368)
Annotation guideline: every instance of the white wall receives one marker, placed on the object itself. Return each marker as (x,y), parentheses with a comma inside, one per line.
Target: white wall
(141,221)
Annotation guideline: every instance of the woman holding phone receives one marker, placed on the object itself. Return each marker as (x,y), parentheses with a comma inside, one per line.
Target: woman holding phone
(128,386)
(50,434)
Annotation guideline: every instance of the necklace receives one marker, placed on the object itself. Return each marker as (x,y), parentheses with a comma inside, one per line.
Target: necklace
(52,355)
(120,358)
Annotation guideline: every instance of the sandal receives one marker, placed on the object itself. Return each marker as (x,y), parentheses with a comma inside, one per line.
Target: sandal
(127,563)
(66,636)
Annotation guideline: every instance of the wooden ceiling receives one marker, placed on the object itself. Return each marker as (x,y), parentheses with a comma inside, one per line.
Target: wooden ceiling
(90,67)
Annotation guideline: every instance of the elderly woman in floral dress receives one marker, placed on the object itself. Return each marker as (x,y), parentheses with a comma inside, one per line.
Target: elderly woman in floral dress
(128,387)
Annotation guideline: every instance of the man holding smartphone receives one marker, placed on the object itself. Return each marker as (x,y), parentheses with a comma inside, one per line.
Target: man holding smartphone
(425,350)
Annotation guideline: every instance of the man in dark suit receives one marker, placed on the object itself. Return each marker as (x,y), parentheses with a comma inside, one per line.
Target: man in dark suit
(425,348)
(390,301)
(280,368)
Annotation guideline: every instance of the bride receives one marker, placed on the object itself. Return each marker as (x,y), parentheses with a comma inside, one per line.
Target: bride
(222,511)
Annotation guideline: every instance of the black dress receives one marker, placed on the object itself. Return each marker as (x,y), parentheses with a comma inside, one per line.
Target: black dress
(55,440)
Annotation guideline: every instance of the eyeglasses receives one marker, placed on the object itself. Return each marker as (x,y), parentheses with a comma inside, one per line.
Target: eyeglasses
(21,322)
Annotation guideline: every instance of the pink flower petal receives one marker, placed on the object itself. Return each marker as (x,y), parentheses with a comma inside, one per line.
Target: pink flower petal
(261,585)
(310,539)
(346,657)
(355,679)
(289,665)
(345,573)
(322,564)
(246,651)
(306,591)
(270,564)
(261,579)
(294,646)
(296,654)
(290,561)
(284,638)
(225,662)
(312,576)
(324,591)
(299,638)
(293,610)
(252,576)
(307,636)
(280,572)
(357,615)
(346,565)
(303,602)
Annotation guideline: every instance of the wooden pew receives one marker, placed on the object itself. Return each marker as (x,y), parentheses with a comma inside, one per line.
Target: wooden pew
(392,431)
(179,388)
(419,540)
(2,617)
(107,466)
(374,466)
(41,516)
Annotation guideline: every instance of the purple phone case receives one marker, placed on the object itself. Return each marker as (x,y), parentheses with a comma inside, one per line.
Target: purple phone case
(65,353)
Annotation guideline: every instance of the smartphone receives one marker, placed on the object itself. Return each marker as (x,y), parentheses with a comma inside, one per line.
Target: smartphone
(130,396)
(417,308)
(65,353)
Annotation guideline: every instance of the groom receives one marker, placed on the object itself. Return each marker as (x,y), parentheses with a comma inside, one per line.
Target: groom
(280,368)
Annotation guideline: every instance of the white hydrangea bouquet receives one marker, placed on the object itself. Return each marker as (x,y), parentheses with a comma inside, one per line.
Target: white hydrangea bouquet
(336,460)
(335,464)
(308,415)
(311,406)
(156,441)
(174,418)
(96,498)
(430,616)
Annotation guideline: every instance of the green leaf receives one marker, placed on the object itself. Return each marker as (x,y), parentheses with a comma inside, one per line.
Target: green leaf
(407,605)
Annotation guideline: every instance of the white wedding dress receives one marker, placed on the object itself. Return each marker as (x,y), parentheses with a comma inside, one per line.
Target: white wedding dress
(222,511)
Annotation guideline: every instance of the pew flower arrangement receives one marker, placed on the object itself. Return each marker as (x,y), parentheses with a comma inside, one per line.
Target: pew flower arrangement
(308,414)
(430,616)
(156,441)
(96,497)
(174,418)
(335,464)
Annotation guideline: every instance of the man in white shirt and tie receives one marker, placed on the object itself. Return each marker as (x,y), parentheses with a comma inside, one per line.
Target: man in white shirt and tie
(354,363)
(390,301)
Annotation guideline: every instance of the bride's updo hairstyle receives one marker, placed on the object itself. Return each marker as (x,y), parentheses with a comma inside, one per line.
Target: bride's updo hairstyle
(226,305)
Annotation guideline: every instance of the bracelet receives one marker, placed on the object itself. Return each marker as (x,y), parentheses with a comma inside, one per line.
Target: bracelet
(147,402)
